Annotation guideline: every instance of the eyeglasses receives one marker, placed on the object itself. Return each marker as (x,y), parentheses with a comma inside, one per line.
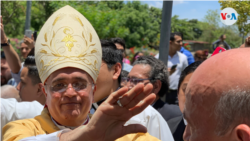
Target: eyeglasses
(134,81)
(77,86)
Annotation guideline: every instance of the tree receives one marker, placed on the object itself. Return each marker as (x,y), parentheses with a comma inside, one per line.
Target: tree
(212,30)
(242,8)
(115,4)
(189,28)
(13,14)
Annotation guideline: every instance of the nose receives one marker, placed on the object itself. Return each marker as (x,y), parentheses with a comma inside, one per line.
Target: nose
(70,91)
(187,133)
(181,43)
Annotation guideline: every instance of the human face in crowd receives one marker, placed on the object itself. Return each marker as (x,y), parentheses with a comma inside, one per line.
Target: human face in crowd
(205,90)
(24,50)
(224,37)
(27,90)
(181,91)
(5,72)
(104,82)
(69,93)
(177,43)
(139,71)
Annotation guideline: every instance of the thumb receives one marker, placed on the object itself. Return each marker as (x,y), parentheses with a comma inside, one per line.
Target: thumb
(133,128)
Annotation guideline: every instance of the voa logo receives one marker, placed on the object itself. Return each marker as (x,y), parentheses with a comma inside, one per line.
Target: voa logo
(228,16)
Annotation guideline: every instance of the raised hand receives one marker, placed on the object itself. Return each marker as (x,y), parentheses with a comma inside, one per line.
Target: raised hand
(3,36)
(109,118)
(107,124)
(29,42)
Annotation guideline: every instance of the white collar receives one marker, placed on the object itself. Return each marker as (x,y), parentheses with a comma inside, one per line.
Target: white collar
(61,127)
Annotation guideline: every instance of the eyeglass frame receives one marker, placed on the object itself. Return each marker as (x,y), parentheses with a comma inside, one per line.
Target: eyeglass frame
(141,80)
(59,91)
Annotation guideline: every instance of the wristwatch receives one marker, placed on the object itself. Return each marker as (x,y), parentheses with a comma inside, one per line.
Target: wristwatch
(6,44)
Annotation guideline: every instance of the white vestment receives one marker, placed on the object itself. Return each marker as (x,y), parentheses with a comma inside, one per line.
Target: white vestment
(12,110)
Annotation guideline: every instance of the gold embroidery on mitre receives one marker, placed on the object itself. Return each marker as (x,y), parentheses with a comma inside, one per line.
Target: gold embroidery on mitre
(68,39)
(75,17)
(81,57)
(59,17)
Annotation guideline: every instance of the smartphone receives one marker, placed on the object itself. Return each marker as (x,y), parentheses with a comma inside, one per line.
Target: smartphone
(173,67)
(35,35)
(28,33)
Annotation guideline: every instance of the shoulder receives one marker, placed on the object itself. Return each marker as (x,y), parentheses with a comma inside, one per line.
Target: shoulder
(181,55)
(175,120)
(25,123)
(172,107)
(149,115)
(20,129)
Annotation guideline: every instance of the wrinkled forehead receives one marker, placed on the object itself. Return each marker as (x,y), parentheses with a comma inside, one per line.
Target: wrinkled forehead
(69,73)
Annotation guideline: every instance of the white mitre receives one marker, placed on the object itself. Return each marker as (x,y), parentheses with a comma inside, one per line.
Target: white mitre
(67,39)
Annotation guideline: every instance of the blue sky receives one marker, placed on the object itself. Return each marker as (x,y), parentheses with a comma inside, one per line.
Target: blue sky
(189,9)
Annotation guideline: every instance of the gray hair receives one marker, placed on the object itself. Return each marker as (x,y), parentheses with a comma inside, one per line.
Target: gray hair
(232,109)
(158,71)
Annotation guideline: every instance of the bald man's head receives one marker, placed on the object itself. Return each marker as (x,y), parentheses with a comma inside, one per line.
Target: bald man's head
(218,96)
(8,91)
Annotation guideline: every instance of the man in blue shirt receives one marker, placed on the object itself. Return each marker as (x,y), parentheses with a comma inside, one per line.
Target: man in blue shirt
(189,55)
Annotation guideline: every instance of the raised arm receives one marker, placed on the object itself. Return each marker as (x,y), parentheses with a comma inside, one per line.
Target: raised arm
(10,54)
(107,124)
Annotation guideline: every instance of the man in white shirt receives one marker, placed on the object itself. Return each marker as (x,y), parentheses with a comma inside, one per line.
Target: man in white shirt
(12,110)
(109,80)
(178,62)
(30,90)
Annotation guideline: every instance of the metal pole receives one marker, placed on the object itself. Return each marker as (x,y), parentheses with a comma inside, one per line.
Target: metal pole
(165,31)
(28,15)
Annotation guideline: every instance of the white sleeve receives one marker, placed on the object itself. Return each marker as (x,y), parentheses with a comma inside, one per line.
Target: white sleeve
(154,122)
(44,137)
(158,127)
(185,64)
(12,110)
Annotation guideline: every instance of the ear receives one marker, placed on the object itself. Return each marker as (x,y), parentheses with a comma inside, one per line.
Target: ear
(43,89)
(157,86)
(40,89)
(117,71)
(241,133)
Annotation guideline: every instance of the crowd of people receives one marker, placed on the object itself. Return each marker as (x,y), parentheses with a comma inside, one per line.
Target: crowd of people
(74,86)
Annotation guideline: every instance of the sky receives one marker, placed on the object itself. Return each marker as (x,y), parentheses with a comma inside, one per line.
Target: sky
(188,9)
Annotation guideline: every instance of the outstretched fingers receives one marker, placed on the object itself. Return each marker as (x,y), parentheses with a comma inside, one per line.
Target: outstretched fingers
(115,95)
(139,97)
(143,104)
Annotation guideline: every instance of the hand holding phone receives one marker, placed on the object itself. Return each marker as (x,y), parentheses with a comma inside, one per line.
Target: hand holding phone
(172,69)
(28,33)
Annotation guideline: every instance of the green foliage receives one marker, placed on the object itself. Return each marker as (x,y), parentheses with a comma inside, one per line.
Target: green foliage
(212,30)
(242,8)
(137,23)
(189,28)
(13,14)
(115,4)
